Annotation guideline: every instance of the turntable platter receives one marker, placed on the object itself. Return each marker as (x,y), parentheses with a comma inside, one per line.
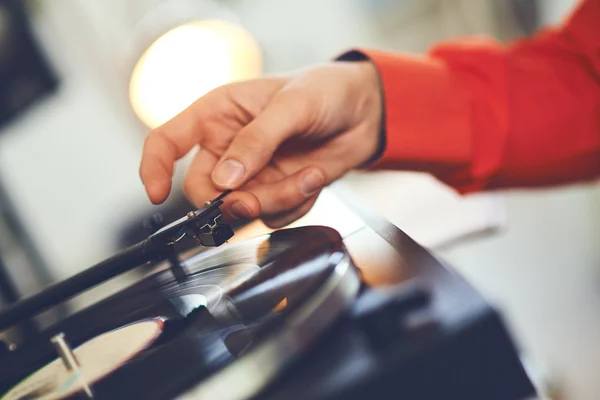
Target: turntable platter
(97,358)
(235,307)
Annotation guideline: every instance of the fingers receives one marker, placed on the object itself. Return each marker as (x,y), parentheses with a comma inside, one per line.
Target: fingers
(197,185)
(198,188)
(162,147)
(277,199)
(286,218)
(254,145)
(174,139)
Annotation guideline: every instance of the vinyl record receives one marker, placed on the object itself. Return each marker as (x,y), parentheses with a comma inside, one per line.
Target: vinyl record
(98,357)
(226,310)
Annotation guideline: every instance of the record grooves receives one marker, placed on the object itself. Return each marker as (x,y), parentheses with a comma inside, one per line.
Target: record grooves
(227,301)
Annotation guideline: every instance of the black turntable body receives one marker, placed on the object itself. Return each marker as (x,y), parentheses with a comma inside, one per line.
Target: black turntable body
(308,312)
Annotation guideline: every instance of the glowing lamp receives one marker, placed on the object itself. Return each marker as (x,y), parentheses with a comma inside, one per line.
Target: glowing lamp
(187,61)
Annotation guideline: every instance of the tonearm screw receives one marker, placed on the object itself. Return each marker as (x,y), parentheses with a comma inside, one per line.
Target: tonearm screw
(191,214)
(207,203)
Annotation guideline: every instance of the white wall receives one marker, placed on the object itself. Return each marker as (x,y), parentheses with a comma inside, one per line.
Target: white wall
(71,162)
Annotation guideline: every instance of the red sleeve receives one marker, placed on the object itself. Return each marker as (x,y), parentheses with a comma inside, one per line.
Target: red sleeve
(481,115)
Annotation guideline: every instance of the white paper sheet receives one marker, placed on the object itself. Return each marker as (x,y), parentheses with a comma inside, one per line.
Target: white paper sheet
(430,212)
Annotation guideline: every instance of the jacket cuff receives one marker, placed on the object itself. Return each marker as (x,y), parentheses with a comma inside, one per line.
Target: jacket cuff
(426,117)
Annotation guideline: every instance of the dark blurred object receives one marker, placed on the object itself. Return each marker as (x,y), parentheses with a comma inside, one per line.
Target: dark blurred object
(527,15)
(22,267)
(8,295)
(25,78)
(25,75)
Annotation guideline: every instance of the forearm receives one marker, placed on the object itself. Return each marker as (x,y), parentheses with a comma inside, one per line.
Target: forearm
(479,114)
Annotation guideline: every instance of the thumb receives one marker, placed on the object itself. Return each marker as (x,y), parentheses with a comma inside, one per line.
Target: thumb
(252,148)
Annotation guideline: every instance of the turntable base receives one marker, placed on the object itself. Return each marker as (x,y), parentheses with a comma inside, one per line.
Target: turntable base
(330,310)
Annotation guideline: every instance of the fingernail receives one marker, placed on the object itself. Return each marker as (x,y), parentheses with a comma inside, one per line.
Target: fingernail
(240,211)
(229,173)
(311,182)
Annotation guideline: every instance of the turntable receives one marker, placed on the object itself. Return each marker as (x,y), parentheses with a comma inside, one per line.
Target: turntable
(312,311)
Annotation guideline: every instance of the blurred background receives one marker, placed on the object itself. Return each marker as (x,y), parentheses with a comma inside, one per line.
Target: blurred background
(82,81)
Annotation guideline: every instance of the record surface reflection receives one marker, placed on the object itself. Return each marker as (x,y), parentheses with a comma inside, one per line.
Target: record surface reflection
(222,305)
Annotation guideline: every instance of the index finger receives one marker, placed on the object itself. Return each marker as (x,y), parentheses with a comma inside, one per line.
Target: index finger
(163,146)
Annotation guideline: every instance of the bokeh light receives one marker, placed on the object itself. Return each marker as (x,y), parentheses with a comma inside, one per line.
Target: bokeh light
(186,63)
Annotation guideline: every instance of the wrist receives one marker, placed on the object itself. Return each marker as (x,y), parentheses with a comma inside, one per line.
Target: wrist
(374,89)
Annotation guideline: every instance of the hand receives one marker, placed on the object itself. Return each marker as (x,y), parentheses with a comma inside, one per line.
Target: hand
(279,141)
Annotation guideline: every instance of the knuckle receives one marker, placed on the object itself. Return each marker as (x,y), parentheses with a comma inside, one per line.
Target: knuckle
(149,140)
(157,142)
(286,197)
(298,99)
(208,111)
(290,198)
(253,137)
(252,144)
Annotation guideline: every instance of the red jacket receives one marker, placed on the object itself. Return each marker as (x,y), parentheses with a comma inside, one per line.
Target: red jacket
(481,115)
